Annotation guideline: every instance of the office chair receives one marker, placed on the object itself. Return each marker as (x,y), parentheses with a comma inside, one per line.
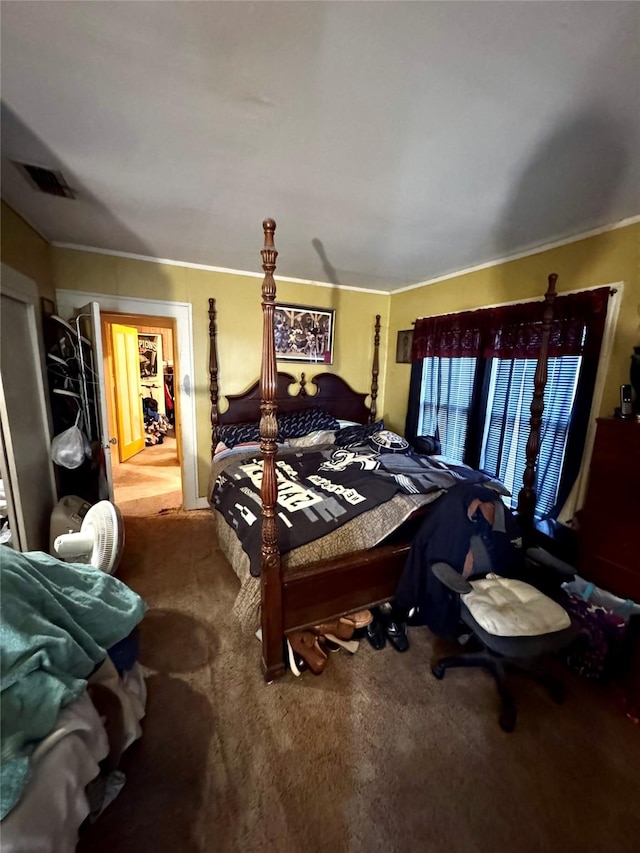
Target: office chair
(515,624)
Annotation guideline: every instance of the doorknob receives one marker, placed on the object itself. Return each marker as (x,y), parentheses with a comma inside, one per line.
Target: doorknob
(113,441)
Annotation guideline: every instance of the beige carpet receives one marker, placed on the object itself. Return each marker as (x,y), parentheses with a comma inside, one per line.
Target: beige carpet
(150,481)
(374,755)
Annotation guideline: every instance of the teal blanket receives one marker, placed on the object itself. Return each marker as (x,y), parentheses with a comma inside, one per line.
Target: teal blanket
(57,620)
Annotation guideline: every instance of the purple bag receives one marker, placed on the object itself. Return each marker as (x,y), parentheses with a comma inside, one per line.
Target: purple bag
(600,637)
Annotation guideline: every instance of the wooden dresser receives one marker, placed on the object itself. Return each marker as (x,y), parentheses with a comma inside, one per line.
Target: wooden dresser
(609,539)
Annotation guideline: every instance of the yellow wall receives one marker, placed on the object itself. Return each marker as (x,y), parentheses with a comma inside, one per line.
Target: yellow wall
(25,250)
(239,322)
(610,257)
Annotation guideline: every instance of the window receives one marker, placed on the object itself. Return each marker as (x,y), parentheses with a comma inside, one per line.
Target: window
(472,386)
(507,424)
(445,399)
(503,411)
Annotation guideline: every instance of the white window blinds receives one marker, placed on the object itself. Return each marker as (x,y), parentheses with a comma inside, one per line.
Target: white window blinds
(506,428)
(445,397)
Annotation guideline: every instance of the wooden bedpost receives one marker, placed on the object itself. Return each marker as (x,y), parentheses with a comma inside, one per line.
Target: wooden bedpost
(213,374)
(270,577)
(375,370)
(527,495)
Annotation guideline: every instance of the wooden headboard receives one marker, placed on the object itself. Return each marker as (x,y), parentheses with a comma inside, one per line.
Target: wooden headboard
(326,391)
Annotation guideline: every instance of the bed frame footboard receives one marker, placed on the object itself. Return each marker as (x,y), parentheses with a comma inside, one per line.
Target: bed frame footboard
(326,590)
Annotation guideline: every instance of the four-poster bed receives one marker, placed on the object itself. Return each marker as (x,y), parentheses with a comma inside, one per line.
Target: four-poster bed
(314,584)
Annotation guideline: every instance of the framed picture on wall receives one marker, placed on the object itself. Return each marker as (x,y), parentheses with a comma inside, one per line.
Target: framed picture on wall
(403,346)
(150,356)
(304,334)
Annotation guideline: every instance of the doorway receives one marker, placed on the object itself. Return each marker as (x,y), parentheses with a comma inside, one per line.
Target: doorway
(140,355)
(181,313)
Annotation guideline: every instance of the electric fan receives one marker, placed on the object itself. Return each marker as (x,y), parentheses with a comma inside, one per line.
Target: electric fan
(100,540)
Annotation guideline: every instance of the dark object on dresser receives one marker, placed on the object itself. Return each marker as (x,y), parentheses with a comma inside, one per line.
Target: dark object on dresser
(609,546)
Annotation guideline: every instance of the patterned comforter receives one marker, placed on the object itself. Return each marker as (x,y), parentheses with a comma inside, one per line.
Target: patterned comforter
(382,491)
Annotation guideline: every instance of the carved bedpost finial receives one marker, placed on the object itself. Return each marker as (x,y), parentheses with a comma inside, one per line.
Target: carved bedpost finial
(213,374)
(269,255)
(527,494)
(269,227)
(551,294)
(375,370)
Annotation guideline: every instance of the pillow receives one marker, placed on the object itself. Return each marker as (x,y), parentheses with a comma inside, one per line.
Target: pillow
(232,434)
(342,423)
(385,441)
(354,436)
(319,436)
(297,424)
(243,447)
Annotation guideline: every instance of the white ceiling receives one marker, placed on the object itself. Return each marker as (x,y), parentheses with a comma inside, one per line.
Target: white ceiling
(393,142)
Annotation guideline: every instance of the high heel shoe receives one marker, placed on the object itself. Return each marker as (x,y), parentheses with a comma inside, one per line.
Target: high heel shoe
(342,628)
(297,664)
(360,618)
(334,644)
(305,644)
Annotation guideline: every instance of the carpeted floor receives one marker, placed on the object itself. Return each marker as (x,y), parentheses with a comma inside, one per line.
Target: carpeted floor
(150,481)
(374,755)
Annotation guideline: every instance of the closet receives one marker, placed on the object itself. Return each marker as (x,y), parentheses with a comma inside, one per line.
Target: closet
(155,345)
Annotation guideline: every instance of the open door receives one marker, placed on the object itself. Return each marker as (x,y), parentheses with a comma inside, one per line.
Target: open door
(126,376)
(88,318)
(26,469)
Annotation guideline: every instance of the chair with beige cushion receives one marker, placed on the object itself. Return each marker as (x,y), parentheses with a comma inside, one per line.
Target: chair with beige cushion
(515,623)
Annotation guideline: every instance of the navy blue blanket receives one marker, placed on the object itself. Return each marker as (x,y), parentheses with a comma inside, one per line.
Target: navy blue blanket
(320,490)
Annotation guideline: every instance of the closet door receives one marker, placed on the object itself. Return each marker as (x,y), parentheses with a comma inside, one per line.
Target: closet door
(24,417)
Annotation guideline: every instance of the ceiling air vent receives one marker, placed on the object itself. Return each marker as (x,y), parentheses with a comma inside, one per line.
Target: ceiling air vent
(46,180)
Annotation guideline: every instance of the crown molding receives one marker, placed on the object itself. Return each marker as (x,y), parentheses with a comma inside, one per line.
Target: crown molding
(208,268)
(546,247)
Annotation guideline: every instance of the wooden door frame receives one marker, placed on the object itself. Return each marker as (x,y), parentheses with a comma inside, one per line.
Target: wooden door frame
(184,384)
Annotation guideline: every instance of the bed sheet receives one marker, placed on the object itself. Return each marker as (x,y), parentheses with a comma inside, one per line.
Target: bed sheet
(54,803)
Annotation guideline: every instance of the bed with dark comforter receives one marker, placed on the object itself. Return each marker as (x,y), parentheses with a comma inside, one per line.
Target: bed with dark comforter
(331,501)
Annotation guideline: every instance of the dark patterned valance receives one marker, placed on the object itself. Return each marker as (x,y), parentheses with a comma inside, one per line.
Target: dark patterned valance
(515,331)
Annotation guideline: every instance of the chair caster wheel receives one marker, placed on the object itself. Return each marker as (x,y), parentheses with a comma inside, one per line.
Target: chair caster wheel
(438,671)
(507,721)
